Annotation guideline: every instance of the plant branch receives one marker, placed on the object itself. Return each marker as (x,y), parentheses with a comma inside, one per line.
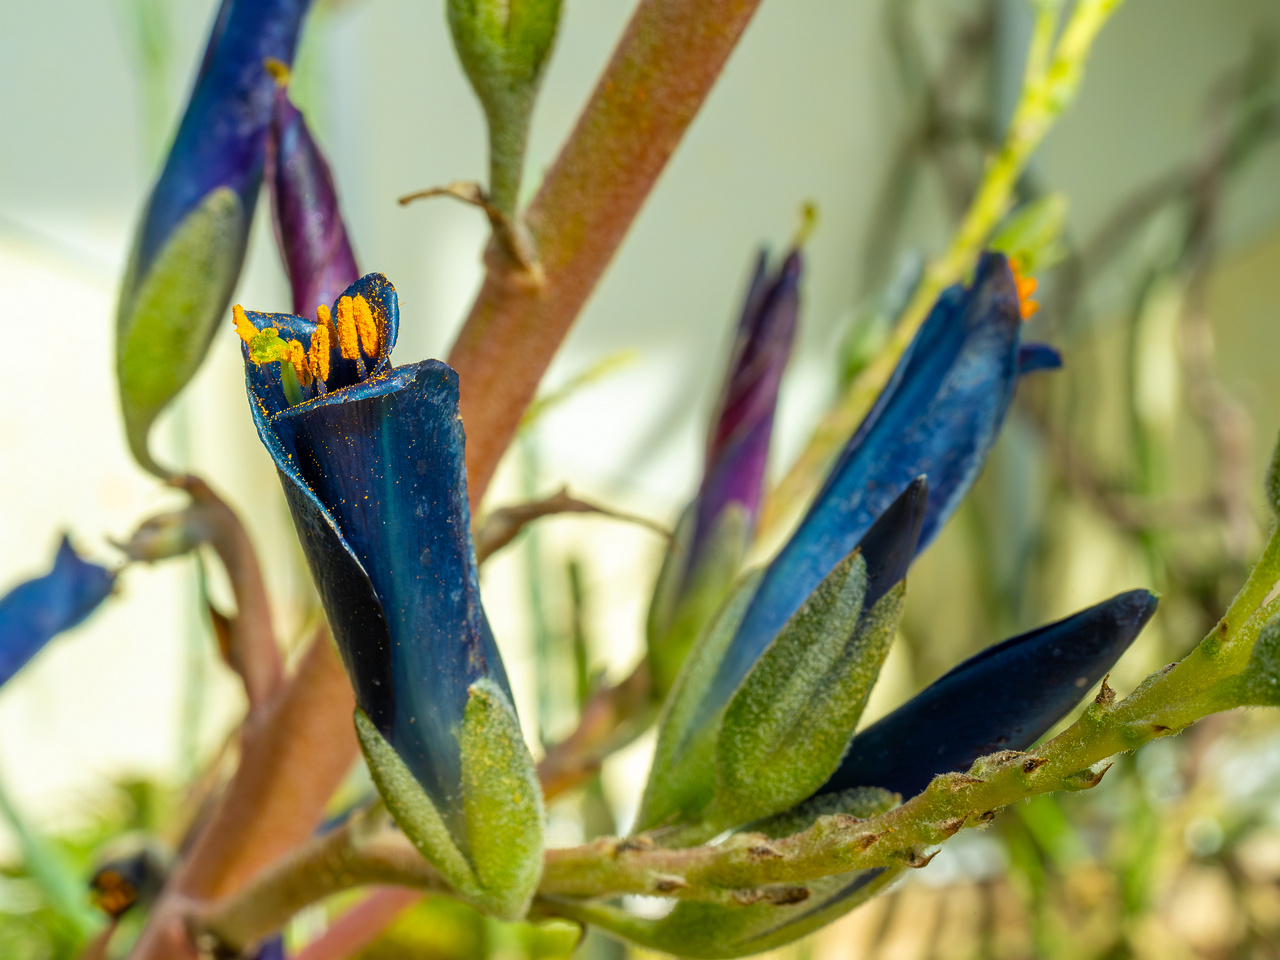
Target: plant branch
(248,639)
(502,526)
(611,718)
(661,72)
(362,851)
(292,759)
(751,868)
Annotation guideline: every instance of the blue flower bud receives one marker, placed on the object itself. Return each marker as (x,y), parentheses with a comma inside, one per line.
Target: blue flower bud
(190,245)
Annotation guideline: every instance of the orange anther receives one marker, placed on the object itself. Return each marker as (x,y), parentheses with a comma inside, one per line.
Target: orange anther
(246,329)
(1026,287)
(318,355)
(345,321)
(366,326)
(324,319)
(298,358)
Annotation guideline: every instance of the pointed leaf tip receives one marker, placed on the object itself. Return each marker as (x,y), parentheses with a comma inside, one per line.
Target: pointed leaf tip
(889,546)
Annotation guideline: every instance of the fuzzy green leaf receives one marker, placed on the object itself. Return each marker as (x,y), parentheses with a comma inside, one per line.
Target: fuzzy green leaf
(708,930)
(682,778)
(502,802)
(166,318)
(790,723)
(414,811)
(676,618)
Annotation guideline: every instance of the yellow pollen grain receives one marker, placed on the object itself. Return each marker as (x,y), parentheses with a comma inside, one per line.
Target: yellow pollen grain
(366,327)
(298,357)
(318,355)
(246,329)
(345,321)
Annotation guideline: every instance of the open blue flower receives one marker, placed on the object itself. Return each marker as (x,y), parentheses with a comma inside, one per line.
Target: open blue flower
(938,417)
(373,470)
(34,612)
(371,460)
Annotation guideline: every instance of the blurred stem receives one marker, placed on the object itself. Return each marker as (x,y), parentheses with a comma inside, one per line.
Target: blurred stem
(149,25)
(534,580)
(1052,78)
(293,757)
(661,72)
(195,674)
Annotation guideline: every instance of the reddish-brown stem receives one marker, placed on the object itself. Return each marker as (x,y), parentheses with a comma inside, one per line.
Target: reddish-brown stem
(609,719)
(661,72)
(293,756)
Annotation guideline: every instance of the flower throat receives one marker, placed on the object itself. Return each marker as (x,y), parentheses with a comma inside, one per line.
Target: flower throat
(311,370)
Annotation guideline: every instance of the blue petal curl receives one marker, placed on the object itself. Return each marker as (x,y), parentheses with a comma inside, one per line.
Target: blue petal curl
(36,611)
(1004,698)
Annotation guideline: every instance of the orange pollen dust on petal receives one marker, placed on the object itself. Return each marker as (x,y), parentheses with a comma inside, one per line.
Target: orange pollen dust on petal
(366,326)
(345,321)
(244,328)
(1026,289)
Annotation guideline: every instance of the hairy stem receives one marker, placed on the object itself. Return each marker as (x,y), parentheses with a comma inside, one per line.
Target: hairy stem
(749,867)
(358,853)
(660,74)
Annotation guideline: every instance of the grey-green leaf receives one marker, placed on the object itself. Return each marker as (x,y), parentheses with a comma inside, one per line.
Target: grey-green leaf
(682,778)
(414,811)
(167,316)
(790,723)
(502,802)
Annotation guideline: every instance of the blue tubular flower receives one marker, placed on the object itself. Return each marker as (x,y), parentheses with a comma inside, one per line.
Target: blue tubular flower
(371,461)
(190,244)
(938,416)
(34,612)
(1036,678)
(714,533)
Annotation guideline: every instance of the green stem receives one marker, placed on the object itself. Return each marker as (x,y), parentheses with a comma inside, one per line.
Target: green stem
(508,139)
(358,853)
